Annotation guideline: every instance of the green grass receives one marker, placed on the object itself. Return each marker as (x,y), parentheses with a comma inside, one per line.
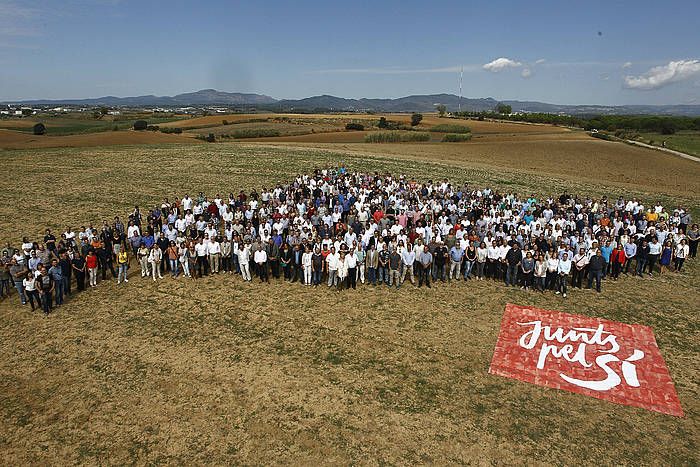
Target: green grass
(683,141)
(450,128)
(62,126)
(255,133)
(456,138)
(396,137)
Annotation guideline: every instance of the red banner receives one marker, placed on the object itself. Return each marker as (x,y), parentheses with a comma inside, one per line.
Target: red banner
(605,359)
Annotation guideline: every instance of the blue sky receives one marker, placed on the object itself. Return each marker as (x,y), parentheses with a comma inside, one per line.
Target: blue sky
(608,52)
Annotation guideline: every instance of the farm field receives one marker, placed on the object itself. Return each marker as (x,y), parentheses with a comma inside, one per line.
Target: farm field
(571,156)
(80,124)
(684,141)
(218,371)
(293,128)
(23,140)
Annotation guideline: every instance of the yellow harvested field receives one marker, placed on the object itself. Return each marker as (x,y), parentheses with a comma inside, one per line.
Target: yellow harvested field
(572,155)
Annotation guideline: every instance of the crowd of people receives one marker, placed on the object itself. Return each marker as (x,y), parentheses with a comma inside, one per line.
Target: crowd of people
(338,229)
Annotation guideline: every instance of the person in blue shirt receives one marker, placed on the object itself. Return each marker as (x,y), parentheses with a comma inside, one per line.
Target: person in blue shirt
(630,253)
(605,252)
(456,256)
(148,240)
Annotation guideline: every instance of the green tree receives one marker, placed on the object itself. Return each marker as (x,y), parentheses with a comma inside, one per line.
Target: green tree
(39,129)
(416,119)
(383,123)
(503,109)
(441,108)
(140,125)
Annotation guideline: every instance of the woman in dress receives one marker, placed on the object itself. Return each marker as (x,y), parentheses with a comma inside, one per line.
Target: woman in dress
(192,260)
(666,256)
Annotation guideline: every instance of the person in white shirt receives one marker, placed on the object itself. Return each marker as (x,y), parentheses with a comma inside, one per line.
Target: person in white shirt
(493,257)
(332,267)
(408,258)
(580,261)
(563,270)
(155,257)
(351,266)
(681,253)
(180,224)
(552,271)
(342,270)
(202,251)
(306,260)
(654,252)
(214,251)
(70,236)
(481,257)
(129,230)
(260,258)
(187,203)
(243,254)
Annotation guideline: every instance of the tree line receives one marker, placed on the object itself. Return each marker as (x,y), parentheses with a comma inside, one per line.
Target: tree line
(666,125)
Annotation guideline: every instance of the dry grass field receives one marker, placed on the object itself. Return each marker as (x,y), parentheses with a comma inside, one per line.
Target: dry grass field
(292,128)
(218,371)
(18,140)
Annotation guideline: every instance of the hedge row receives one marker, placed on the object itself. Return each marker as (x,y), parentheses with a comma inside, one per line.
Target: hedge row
(450,128)
(396,137)
(456,137)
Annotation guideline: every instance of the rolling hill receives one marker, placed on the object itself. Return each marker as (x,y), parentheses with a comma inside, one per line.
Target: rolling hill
(415,103)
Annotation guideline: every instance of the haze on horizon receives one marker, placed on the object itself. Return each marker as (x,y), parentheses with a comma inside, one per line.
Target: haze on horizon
(599,53)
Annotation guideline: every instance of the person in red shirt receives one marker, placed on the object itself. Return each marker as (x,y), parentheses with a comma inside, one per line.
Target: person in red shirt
(378,215)
(617,258)
(213,210)
(91,263)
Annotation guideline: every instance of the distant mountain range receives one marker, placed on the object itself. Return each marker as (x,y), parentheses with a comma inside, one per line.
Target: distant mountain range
(418,103)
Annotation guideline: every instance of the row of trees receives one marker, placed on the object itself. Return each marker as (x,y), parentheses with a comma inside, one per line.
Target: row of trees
(666,125)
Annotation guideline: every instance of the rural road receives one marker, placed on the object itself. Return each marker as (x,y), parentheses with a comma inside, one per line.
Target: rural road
(670,151)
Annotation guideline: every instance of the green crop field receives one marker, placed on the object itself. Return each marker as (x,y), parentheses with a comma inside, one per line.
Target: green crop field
(684,141)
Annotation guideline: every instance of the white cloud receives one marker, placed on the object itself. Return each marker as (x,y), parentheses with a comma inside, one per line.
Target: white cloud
(661,76)
(540,61)
(526,73)
(626,65)
(501,64)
